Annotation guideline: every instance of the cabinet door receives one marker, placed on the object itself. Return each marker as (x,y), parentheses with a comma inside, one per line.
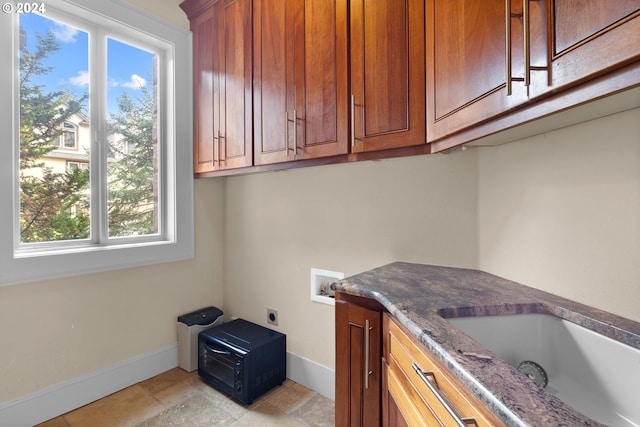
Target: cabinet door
(588,38)
(358,365)
(235,39)
(321,125)
(467,54)
(387,74)
(300,80)
(205,150)
(273,87)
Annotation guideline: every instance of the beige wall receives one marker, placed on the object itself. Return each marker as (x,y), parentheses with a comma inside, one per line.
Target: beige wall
(561,212)
(346,218)
(54,331)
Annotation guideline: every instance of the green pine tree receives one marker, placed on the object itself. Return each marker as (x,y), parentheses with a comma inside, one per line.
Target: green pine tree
(48,203)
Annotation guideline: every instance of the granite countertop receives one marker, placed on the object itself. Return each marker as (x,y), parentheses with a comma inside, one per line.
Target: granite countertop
(419,295)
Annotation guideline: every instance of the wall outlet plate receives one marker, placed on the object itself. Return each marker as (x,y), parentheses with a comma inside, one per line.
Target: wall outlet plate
(272,316)
(320,281)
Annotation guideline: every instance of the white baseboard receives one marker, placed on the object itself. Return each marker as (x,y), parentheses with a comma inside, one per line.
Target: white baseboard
(59,399)
(56,400)
(312,375)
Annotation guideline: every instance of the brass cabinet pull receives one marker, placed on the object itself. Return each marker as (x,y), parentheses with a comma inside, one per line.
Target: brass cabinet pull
(460,421)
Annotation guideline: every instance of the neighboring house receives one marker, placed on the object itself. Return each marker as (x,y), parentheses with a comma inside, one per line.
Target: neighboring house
(72,148)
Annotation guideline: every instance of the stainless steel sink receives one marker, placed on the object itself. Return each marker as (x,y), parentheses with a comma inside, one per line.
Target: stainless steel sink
(592,373)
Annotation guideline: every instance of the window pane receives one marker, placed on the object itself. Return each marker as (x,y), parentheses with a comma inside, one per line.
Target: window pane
(133,151)
(54,199)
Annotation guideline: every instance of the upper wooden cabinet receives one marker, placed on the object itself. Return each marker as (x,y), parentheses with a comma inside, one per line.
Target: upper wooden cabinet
(222,69)
(588,38)
(205,151)
(487,58)
(387,74)
(300,80)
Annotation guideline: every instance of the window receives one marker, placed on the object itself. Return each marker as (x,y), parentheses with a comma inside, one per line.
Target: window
(101,97)
(68,139)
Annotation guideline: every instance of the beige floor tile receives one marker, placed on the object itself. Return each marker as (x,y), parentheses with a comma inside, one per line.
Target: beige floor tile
(122,409)
(193,412)
(318,411)
(219,399)
(167,379)
(289,397)
(266,415)
(175,394)
(179,398)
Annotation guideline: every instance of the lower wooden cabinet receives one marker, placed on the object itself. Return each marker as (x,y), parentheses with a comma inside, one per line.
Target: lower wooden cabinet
(421,391)
(358,361)
(386,377)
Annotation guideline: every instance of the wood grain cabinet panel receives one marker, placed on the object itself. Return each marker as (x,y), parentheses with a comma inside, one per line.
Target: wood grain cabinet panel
(424,391)
(358,362)
(466,64)
(300,80)
(387,74)
(205,150)
(222,68)
(588,38)
(488,59)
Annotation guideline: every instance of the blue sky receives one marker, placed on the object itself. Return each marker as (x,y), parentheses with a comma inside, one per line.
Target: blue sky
(128,68)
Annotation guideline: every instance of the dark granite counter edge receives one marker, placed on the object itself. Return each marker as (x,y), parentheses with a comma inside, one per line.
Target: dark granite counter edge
(387,284)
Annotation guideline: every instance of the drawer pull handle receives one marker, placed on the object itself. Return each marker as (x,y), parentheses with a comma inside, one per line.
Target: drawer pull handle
(460,421)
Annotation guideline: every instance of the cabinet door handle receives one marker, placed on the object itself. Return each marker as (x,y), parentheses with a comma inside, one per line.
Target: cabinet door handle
(526,23)
(507,8)
(286,132)
(295,134)
(353,122)
(215,141)
(526,37)
(460,422)
(367,372)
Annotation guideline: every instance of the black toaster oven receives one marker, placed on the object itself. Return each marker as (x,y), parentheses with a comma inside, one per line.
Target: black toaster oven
(242,359)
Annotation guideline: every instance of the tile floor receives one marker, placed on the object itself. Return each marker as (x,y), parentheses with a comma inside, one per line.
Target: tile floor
(178,398)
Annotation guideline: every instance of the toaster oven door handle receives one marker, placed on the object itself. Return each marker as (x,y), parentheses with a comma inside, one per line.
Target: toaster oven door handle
(226,353)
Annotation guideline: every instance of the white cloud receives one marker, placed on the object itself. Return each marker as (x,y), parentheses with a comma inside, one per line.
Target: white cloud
(82,79)
(64,33)
(135,82)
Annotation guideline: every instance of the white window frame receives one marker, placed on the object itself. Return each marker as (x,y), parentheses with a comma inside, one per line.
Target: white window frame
(68,128)
(60,259)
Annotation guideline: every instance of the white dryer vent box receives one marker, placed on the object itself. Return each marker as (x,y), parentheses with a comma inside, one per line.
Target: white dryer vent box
(320,281)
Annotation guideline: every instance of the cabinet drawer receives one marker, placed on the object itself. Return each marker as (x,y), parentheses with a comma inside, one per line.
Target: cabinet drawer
(445,396)
(413,409)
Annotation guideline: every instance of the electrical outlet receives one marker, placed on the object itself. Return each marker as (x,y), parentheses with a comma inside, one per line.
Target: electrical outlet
(272,316)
